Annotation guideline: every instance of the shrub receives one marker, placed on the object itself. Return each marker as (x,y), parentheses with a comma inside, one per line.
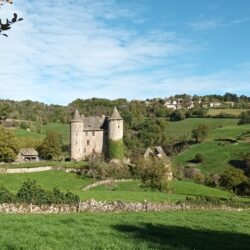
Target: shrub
(244,118)
(199,158)
(231,178)
(154,173)
(216,201)
(243,189)
(190,172)
(212,180)
(6,196)
(24,125)
(31,192)
(199,177)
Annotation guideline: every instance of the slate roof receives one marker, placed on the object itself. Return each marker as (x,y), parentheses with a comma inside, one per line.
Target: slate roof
(115,115)
(28,152)
(77,116)
(94,122)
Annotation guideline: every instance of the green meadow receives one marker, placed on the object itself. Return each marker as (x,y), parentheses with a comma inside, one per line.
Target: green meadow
(128,191)
(162,230)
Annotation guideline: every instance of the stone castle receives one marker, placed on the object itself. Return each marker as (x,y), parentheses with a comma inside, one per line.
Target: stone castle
(92,135)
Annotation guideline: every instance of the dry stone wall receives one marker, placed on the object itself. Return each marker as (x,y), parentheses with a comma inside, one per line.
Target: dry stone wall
(108,206)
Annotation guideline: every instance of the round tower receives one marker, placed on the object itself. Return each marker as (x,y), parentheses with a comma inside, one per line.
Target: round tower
(115,135)
(76,137)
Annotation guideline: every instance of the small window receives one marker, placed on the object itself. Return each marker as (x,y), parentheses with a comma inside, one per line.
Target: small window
(88,142)
(93,151)
(93,133)
(86,133)
(84,150)
(118,126)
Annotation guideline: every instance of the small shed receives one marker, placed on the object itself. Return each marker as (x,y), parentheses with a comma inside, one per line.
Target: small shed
(27,155)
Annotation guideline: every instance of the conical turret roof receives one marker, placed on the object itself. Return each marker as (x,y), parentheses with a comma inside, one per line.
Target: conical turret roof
(77,116)
(115,115)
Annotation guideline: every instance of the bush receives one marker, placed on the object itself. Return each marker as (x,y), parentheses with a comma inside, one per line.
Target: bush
(190,172)
(6,196)
(243,189)
(199,177)
(199,158)
(154,173)
(231,178)
(24,125)
(244,118)
(31,192)
(216,201)
(212,180)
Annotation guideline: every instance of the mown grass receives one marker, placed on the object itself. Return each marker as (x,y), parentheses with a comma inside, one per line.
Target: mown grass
(217,155)
(236,112)
(162,230)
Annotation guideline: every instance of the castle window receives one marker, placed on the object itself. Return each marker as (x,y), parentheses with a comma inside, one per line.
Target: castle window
(84,150)
(93,133)
(118,126)
(88,142)
(86,133)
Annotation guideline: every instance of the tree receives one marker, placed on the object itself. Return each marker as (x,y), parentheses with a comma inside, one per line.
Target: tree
(39,124)
(200,133)
(8,145)
(244,118)
(154,172)
(232,178)
(51,148)
(6,26)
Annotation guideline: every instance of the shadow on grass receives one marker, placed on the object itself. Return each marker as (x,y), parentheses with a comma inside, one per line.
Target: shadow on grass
(244,165)
(174,237)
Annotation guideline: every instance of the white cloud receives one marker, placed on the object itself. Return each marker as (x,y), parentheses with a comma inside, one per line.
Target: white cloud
(65,50)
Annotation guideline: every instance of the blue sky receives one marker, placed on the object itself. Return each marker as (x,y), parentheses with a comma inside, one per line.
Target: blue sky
(141,49)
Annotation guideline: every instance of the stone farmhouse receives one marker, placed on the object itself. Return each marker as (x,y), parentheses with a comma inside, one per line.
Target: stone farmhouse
(92,135)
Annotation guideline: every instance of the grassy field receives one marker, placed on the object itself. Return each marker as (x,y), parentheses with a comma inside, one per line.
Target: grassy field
(129,191)
(236,112)
(182,128)
(229,132)
(48,180)
(66,164)
(163,230)
(62,128)
(175,130)
(216,155)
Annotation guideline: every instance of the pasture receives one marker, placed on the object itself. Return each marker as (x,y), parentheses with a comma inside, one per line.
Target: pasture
(161,230)
(129,191)
(235,112)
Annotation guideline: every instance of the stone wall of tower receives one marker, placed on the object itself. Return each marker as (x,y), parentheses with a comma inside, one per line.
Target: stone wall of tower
(76,140)
(115,132)
(93,142)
